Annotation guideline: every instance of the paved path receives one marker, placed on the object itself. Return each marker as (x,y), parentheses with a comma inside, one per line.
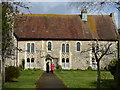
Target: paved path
(49,80)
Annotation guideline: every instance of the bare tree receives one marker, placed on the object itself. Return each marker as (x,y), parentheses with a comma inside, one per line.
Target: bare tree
(100,50)
(99,7)
(96,6)
(99,53)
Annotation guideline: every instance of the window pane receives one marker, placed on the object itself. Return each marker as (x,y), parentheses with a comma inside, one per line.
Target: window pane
(78,46)
(28,47)
(32,63)
(63,63)
(49,45)
(63,60)
(63,48)
(32,47)
(67,48)
(67,63)
(67,60)
(28,62)
(32,60)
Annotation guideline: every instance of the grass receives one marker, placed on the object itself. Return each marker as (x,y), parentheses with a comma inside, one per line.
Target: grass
(85,79)
(27,79)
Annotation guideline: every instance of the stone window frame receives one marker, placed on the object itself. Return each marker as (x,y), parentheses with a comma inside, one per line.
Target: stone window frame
(51,46)
(62,47)
(32,51)
(80,46)
(30,62)
(30,47)
(65,63)
(67,48)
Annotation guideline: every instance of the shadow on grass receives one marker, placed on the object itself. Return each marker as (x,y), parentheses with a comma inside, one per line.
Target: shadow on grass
(106,84)
(13,81)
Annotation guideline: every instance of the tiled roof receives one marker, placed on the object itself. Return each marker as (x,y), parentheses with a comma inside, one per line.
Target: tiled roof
(53,26)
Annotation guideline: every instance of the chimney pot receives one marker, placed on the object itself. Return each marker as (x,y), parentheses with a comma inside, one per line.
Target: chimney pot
(16,10)
(112,14)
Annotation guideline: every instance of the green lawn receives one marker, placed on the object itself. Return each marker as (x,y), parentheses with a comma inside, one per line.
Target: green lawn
(27,79)
(85,79)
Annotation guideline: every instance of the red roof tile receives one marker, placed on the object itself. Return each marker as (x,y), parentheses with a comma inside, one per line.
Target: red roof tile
(52,26)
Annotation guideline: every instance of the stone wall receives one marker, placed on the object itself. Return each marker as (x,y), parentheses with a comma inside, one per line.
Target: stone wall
(77,60)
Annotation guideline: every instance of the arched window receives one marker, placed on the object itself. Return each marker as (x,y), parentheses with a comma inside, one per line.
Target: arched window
(67,63)
(28,59)
(67,48)
(32,62)
(49,46)
(28,62)
(63,48)
(32,47)
(63,62)
(67,60)
(78,46)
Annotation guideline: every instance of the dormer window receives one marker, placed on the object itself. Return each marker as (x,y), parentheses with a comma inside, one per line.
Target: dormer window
(84,14)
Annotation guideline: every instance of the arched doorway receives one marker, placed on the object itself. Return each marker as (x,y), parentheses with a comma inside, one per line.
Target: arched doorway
(48,64)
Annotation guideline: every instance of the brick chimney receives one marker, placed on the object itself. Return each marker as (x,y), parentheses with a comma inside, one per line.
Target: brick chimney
(84,15)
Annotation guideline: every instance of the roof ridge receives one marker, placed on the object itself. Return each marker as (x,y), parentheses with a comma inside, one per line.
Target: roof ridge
(50,14)
(25,14)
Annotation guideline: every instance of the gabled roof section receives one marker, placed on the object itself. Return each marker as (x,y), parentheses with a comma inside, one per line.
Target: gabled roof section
(53,26)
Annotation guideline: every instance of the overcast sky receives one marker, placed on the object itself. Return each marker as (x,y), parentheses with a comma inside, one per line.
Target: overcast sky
(64,8)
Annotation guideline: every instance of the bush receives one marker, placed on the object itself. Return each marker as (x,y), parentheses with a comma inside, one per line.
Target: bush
(89,68)
(112,66)
(11,72)
(59,68)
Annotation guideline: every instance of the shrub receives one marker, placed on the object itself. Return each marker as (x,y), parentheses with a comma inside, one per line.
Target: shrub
(112,66)
(59,68)
(11,72)
(89,68)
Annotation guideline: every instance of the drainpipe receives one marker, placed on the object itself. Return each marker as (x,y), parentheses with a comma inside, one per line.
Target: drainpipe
(17,55)
(118,49)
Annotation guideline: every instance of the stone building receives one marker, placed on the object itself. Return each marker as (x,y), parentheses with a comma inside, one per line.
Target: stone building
(62,40)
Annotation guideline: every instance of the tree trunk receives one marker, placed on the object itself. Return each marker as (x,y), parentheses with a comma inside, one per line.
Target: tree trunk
(98,73)
(118,74)
(3,72)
